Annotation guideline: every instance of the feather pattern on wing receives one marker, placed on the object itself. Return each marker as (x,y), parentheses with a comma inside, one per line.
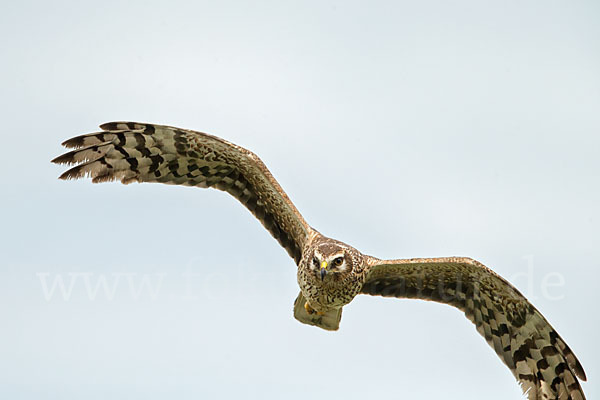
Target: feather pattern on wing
(543,364)
(137,152)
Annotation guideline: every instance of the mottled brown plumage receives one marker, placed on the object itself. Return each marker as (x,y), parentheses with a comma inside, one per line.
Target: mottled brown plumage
(331,273)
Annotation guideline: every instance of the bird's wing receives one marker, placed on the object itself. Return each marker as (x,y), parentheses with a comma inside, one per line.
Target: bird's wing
(139,152)
(544,365)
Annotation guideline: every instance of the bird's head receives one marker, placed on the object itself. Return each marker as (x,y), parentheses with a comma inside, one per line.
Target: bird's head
(331,261)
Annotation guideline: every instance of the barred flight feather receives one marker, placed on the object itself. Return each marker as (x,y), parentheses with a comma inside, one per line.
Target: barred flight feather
(543,364)
(136,152)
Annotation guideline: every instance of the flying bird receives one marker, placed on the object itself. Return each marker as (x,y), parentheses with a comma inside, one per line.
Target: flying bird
(331,273)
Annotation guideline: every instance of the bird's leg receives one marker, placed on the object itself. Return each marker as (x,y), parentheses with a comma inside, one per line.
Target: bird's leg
(311,310)
(303,312)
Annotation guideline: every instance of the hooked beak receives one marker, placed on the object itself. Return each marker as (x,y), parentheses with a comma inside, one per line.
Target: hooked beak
(323,269)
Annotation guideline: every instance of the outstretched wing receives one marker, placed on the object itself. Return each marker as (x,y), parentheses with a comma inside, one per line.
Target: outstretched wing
(544,365)
(138,152)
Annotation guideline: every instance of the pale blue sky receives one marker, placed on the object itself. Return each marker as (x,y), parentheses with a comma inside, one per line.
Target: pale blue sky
(453,128)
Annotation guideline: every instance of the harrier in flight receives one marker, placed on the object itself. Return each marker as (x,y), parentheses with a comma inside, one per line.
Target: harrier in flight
(332,273)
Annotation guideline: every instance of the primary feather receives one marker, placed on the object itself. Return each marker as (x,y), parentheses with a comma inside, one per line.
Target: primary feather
(136,152)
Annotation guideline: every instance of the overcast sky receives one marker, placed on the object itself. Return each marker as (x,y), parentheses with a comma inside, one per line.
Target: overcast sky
(405,128)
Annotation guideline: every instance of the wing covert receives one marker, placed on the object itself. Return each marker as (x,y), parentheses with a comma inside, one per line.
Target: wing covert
(543,364)
(139,152)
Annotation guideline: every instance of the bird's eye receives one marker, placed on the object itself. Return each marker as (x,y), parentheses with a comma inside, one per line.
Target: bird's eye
(338,261)
(316,261)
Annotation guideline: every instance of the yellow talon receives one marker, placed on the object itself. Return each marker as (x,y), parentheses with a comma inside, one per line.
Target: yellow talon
(311,310)
(308,308)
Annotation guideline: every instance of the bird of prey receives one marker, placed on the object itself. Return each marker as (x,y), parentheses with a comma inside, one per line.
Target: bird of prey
(332,273)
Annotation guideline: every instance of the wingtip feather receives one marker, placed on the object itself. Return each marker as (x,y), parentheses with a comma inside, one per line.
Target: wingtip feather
(579,371)
(66,158)
(72,173)
(121,126)
(75,142)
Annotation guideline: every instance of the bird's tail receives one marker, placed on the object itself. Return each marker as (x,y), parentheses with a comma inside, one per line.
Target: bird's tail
(329,320)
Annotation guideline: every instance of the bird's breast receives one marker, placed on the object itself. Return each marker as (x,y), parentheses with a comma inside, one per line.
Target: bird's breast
(327,294)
